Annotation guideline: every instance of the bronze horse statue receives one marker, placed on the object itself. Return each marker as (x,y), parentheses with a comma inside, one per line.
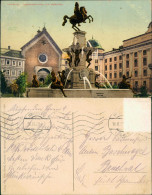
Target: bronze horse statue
(80,15)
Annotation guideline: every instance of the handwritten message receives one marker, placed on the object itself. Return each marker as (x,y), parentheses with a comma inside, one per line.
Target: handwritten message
(64,150)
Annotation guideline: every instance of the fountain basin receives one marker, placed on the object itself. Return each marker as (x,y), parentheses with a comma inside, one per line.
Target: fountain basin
(79,93)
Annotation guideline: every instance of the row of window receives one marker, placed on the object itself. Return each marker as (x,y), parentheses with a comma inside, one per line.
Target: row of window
(135,83)
(12,72)
(127,56)
(115,66)
(115,75)
(115,59)
(127,64)
(127,74)
(11,62)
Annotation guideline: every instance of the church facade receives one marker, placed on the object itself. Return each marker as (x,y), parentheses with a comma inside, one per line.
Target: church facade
(42,55)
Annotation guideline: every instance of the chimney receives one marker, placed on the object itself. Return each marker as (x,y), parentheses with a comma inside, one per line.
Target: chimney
(9,47)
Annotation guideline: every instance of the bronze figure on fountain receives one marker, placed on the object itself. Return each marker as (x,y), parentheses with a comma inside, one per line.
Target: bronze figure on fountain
(69,59)
(77,58)
(80,16)
(124,84)
(88,59)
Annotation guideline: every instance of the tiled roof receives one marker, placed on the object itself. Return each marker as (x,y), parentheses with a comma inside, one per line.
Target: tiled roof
(44,31)
(11,53)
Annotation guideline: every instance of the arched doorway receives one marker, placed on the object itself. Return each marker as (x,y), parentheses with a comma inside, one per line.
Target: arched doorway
(42,74)
(41,80)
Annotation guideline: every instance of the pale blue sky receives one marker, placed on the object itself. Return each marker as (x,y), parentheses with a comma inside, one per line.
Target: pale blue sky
(114,21)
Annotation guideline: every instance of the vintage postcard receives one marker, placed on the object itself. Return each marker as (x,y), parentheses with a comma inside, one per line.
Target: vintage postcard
(82,146)
(86,49)
(76,86)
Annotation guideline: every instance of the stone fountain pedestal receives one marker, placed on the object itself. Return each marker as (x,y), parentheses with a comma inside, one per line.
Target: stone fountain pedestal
(44,92)
(80,77)
(77,81)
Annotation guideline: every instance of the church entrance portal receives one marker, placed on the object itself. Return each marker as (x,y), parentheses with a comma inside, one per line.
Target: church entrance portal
(42,74)
(41,80)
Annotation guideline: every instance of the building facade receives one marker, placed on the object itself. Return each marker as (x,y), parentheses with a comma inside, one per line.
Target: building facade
(132,59)
(42,56)
(12,64)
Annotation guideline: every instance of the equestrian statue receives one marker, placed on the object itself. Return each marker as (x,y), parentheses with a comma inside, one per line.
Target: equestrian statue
(80,16)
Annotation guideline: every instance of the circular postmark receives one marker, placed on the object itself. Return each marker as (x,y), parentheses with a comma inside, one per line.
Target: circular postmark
(37,125)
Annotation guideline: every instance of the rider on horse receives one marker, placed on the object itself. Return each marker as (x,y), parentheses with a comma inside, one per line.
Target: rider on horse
(80,15)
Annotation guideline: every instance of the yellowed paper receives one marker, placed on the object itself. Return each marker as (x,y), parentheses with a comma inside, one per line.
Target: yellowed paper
(81,146)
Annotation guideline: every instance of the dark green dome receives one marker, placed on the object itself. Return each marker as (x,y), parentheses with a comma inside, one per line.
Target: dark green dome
(94,43)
